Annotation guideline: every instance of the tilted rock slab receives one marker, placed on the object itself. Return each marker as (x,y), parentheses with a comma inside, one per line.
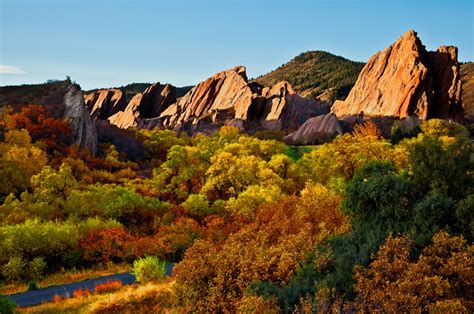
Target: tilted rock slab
(405,80)
(315,130)
(151,103)
(226,93)
(104,103)
(228,98)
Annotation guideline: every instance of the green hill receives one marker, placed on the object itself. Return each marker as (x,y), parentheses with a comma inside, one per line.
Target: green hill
(315,72)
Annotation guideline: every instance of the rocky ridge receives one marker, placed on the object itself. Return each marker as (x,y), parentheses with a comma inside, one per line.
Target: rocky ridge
(105,102)
(151,103)
(226,98)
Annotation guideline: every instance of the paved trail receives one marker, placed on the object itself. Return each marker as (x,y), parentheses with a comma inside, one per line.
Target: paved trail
(47,294)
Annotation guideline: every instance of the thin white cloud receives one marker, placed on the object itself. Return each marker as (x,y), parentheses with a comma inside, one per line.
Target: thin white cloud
(10,69)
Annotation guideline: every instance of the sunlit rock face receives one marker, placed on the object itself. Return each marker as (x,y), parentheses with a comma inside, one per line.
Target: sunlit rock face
(406,80)
(228,98)
(104,103)
(149,104)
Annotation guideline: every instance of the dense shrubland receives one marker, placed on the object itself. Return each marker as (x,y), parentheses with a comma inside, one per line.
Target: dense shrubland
(357,224)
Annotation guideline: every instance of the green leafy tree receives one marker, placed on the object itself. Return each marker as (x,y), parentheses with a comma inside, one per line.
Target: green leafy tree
(6,306)
(149,268)
(197,205)
(181,174)
(442,165)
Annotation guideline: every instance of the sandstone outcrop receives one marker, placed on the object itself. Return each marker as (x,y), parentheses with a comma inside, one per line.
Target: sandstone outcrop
(64,99)
(228,98)
(315,130)
(284,109)
(405,80)
(149,104)
(224,94)
(104,103)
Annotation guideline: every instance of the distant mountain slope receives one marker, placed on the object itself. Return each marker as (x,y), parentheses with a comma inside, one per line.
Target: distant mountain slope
(314,72)
(132,89)
(467,78)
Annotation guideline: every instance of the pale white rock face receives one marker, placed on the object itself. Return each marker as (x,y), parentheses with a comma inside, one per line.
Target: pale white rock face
(316,129)
(76,113)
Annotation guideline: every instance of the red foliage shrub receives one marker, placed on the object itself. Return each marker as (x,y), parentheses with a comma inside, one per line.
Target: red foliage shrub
(106,245)
(109,286)
(42,126)
(173,240)
(81,293)
(57,298)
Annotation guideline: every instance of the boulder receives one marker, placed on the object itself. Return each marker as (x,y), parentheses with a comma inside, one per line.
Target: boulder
(315,130)
(405,80)
(104,103)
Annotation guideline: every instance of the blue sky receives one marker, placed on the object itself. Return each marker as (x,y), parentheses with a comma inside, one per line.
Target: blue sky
(112,43)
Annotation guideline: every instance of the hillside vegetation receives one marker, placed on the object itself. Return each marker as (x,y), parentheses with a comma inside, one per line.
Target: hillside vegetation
(32,93)
(314,72)
(358,224)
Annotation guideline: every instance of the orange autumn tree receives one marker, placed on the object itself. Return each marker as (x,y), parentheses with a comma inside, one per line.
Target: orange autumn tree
(43,126)
(368,128)
(106,245)
(215,275)
(441,280)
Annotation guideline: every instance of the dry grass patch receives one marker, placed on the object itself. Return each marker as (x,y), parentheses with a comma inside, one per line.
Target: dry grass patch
(149,298)
(110,286)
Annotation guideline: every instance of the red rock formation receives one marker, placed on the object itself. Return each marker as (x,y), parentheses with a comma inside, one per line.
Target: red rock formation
(405,80)
(467,78)
(227,97)
(446,74)
(225,91)
(286,109)
(315,130)
(149,104)
(105,103)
